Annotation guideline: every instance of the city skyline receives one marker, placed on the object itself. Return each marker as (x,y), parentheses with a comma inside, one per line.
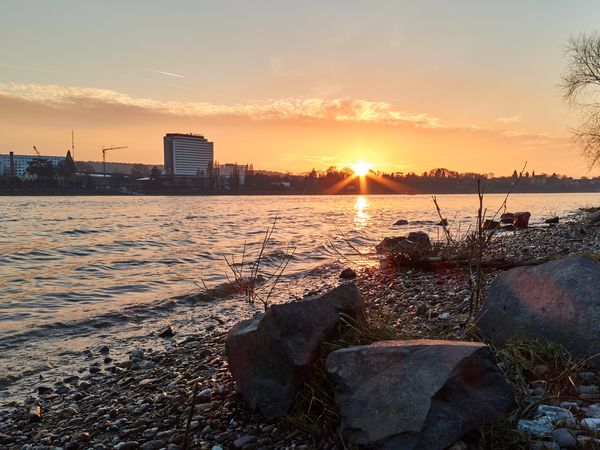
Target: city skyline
(468,86)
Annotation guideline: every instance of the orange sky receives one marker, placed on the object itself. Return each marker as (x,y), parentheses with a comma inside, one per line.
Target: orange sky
(405,86)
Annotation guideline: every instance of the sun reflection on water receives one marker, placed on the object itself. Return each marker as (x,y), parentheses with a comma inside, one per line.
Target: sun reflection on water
(361,218)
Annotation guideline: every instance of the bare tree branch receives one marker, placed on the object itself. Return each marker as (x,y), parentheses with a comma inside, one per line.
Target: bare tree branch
(582,80)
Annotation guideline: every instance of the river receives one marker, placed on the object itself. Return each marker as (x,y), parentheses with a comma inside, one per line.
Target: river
(76,272)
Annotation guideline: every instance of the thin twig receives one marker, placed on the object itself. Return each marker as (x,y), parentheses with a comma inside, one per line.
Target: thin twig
(189,418)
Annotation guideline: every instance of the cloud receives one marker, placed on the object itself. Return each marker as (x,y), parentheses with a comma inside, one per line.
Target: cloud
(101,105)
(26,68)
(339,109)
(507,120)
(166,73)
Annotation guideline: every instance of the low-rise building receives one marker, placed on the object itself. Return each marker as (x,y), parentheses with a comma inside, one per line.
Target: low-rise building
(16,165)
(233,171)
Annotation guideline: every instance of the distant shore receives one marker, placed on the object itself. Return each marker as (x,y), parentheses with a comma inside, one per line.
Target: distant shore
(66,193)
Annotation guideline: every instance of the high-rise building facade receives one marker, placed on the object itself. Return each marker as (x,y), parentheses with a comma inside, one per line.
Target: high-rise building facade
(188,154)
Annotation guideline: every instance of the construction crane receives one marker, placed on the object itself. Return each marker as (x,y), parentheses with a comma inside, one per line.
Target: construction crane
(73,145)
(104,150)
(37,151)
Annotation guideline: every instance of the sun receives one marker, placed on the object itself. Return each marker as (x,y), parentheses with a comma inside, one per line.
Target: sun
(361,168)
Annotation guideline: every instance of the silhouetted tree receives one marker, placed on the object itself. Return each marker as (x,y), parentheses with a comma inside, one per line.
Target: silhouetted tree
(582,79)
(154,173)
(234,178)
(66,169)
(41,168)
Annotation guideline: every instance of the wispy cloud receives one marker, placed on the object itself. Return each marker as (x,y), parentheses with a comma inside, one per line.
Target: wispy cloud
(340,109)
(507,120)
(167,73)
(18,66)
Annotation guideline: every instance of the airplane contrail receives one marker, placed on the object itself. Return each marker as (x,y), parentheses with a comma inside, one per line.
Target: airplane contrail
(167,73)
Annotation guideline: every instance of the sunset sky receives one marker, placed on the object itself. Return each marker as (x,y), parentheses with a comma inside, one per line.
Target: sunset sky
(406,86)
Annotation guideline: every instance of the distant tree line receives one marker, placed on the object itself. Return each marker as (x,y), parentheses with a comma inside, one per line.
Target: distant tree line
(78,177)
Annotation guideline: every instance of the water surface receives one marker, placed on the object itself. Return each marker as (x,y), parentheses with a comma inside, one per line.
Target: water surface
(73,268)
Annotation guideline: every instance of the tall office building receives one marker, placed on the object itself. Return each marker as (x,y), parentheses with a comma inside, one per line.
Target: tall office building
(188,154)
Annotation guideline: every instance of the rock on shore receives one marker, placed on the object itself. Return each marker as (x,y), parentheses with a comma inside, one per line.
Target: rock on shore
(271,355)
(416,394)
(557,301)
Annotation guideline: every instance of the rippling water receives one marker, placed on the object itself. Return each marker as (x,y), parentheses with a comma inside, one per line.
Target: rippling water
(85,260)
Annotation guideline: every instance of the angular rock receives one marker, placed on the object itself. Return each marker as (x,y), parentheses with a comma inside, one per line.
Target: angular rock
(388,244)
(417,242)
(507,218)
(557,301)
(521,219)
(167,332)
(421,394)
(564,438)
(490,224)
(552,220)
(595,216)
(420,238)
(271,355)
(44,390)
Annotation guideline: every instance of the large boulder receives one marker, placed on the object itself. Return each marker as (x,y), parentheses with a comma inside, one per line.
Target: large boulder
(271,355)
(421,394)
(558,301)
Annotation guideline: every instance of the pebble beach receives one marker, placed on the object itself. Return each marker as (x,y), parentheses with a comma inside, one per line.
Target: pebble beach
(143,400)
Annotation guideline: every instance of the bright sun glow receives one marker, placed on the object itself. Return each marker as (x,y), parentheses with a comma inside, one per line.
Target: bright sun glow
(361,168)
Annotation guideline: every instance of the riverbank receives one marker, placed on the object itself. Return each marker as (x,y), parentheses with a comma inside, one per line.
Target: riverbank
(143,400)
(275,192)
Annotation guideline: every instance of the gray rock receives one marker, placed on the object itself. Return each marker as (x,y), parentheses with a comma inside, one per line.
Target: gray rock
(595,216)
(556,301)
(44,390)
(564,438)
(154,445)
(558,416)
(416,394)
(137,353)
(271,355)
(129,445)
(239,443)
(542,426)
(415,243)
(590,423)
(420,238)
